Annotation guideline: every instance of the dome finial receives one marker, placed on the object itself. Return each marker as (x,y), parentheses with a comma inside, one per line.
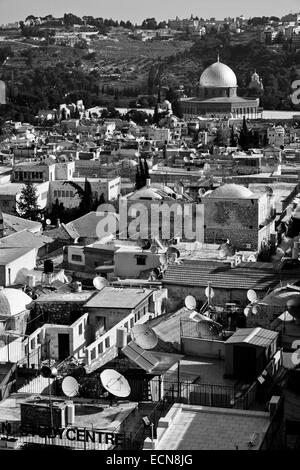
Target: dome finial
(218,57)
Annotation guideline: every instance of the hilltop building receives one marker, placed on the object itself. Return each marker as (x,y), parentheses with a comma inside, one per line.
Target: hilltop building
(216,95)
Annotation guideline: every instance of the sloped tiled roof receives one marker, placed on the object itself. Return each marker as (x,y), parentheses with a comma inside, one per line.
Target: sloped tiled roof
(255,336)
(198,274)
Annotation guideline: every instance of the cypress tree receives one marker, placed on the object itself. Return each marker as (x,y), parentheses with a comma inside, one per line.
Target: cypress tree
(147,175)
(142,173)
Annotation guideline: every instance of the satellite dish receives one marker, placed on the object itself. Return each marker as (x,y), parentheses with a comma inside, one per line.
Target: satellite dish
(171,251)
(247,311)
(48,222)
(69,279)
(163,259)
(70,386)
(209,292)
(49,372)
(251,295)
(256,309)
(99,282)
(115,383)
(190,302)
(144,336)
(153,249)
(22,275)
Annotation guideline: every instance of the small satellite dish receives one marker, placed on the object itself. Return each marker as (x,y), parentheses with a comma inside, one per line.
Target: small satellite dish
(209,292)
(99,282)
(190,302)
(115,383)
(247,311)
(70,386)
(163,259)
(69,279)
(251,295)
(144,336)
(256,309)
(171,252)
(153,249)
(48,222)
(49,372)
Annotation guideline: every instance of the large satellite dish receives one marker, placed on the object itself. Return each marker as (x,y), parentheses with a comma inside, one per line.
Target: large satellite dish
(251,295)
(70,386)
(144,336)
(100,282)
(209,292)
(115,383)
(190,302)
(247,311)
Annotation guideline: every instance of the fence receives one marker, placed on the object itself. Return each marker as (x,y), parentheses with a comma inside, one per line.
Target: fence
(22,436)
(273,438)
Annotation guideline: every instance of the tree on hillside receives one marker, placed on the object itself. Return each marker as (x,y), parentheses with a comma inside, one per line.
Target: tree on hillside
(27,206)
(138,183)
(233,138)
(244,140)
(87,202)
(221,139)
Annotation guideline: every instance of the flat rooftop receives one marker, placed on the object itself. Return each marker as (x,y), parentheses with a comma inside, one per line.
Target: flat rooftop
(204,428)
(82,296)
(117,297)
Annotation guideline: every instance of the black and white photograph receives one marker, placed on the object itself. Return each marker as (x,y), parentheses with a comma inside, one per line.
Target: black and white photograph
(149,228)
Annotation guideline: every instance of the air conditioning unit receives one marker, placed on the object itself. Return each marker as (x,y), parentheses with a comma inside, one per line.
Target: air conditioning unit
(248,246)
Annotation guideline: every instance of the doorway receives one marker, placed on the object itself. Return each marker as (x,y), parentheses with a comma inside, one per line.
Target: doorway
(63,346)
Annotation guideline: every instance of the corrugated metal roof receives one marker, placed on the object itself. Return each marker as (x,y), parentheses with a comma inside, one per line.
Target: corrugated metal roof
(220,275)
(255,336)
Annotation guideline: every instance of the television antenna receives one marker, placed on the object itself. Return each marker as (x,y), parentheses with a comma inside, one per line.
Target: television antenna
(144,336)
(190,302)
(115,383)
(100,282)
(70,386)
(251,295)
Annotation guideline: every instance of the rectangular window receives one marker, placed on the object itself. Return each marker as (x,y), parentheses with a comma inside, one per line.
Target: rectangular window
(93,353)
(80,329)
(100,348)
(55,193)
(76,258)
(141,260)
(71,194)
(41,175)
(58,193)
(107,342)
(126,325)
(32,343)
(67,193)
(131,323)
(62,194)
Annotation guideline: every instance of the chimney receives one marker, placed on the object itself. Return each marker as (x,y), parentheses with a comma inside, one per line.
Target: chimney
(273,405)
(148,183)
(58,223)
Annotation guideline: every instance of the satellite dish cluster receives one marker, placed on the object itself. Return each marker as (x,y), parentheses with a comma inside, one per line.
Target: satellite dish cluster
(205,325)
(253,308)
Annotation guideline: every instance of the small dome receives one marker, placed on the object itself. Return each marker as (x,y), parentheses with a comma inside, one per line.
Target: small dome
(13,301)
(218,75)
(228,191)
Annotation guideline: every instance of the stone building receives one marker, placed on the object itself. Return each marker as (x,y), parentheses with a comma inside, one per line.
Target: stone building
(233,212)
(216,95)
